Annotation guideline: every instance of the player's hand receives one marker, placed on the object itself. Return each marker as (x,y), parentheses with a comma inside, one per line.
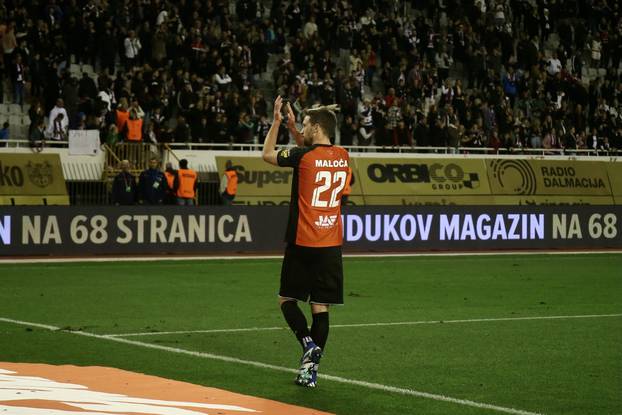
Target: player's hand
(291,118)
(278,103)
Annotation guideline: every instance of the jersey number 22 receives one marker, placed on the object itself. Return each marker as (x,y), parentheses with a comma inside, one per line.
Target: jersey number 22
(326,181)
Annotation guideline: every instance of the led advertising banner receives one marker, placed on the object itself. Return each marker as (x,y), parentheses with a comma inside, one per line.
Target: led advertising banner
(74,231)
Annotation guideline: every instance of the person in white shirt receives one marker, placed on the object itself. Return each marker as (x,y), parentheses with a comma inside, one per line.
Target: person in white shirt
(132,49)
(310,28)
(554,65)
(162,17)
(58,125)
(222,78)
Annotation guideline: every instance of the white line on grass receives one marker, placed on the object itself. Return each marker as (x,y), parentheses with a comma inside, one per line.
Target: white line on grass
(368,385)
(397,323)
(148,258)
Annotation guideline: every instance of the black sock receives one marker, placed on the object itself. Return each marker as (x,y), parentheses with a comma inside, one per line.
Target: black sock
(319,329)
(296,321)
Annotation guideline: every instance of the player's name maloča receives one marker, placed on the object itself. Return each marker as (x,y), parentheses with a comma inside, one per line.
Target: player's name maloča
(331,163)
(449,227)
(183,229)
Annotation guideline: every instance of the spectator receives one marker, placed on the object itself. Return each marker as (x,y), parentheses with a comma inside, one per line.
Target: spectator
(422,133)
(36,115)
(185,184)
(245,129)
(111,137)
(36,136)
(87,87)
(510,85)
(132,47)
(182,132)
(58,122)
(4,135)
(310,28)
(348,131)
(223,79)
(124,186)
(133,130)
(443,63)
(18,79)
(152,184)
(394,118)
(169,173)
(122,114)
(554,65)
(9,42)
(228,184)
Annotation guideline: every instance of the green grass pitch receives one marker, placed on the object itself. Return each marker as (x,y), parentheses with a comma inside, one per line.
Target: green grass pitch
(546,366)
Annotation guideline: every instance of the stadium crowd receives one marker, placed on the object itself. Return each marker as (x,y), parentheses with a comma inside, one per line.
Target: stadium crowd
(448,73)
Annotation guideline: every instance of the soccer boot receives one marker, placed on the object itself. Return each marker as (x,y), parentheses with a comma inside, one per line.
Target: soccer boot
(307,374)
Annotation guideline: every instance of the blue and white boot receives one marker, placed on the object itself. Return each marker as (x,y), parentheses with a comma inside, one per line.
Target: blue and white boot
(307,374)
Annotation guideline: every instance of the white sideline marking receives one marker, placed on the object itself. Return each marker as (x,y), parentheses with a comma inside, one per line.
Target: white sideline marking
(241,257)
(368,385)
(398,323)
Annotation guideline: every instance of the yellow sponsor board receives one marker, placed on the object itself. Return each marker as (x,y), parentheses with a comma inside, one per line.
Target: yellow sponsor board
(446,181)
(258,180)
(420,176)
(552,200)
(440,200)
(487,200)
(31,178)
(614,170)
(548,177)
(34,200)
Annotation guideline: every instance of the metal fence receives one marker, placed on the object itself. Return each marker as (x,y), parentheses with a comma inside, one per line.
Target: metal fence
(139,153)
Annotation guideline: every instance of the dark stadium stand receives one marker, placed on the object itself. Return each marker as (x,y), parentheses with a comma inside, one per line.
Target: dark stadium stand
(520,74)
(519,77)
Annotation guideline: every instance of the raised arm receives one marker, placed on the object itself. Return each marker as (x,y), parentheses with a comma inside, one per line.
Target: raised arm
(269,145)
(291,126)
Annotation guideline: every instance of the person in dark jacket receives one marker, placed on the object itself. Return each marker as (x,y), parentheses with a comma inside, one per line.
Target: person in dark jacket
(124,186)
(152,185)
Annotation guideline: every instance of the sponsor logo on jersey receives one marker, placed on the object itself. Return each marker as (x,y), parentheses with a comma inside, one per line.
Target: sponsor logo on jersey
(326,221)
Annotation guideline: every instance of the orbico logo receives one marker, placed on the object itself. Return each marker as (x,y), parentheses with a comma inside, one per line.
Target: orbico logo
(442,176)
(517,176)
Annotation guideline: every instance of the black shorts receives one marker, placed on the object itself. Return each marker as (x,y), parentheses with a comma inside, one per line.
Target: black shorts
(312,274)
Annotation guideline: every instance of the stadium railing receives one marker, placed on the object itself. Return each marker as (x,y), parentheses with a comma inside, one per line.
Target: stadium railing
(139,153)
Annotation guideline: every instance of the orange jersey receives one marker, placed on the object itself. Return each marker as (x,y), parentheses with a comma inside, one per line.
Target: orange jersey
(320,176)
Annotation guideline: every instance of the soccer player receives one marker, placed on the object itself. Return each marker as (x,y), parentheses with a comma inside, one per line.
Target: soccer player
(312,270)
